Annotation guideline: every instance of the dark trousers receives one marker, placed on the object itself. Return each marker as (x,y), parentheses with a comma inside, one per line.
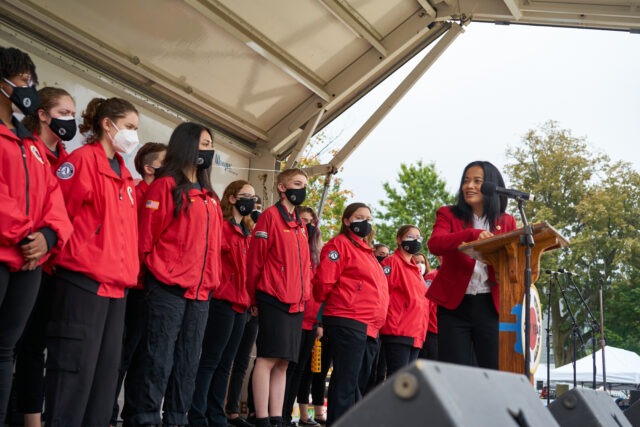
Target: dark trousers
(221,340)
(295,371)
(429,349)
(18,293)
(29,372)
(134,324)
(398,356)
(165,365)
(378,369)
(84,342)
(352,353)
(469,333)
(240,365)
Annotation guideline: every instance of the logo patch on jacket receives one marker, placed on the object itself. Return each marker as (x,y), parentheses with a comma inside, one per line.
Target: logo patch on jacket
(66,170)
(334,255)
(152,204)
(36,153)
(261,235)
(386,269)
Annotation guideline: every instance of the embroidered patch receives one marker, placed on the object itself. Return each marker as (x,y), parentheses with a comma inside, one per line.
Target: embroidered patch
(36,153)
(130,193)
(65,171)
(152,204)
(261,235)
(386,269)
(334,255)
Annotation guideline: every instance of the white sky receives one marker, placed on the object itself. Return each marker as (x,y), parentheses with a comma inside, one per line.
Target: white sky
(490,87)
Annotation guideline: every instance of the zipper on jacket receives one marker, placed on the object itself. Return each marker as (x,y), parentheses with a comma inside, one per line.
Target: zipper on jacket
(206,249)
(26,174)
(300,261)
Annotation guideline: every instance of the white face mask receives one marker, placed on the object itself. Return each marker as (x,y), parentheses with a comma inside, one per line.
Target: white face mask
(125,141)
(423,268)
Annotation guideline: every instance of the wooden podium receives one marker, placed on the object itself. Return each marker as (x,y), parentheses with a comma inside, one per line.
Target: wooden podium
(506,254)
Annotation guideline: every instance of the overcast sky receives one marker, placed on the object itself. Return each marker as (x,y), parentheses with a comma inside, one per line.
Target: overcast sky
(492,85)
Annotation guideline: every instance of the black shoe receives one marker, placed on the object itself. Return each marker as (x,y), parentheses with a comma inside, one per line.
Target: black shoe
(239,422)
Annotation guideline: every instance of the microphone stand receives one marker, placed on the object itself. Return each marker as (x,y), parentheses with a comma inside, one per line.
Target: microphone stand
(602,340)
(549,272)
(594,325)
(526,240)
(574,331)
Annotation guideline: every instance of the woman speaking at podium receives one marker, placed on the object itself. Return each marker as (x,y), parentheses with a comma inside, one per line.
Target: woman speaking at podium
(465,289)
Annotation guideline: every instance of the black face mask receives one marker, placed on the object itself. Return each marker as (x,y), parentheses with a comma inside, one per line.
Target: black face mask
(411,246)
(64,129)
(205,159)
(380,258)
(255,215)
(360,228)
(25,98)
(296,195)
(311,230)
(245,206)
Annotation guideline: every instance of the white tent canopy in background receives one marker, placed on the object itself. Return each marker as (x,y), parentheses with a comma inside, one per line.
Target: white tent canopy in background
(623,367)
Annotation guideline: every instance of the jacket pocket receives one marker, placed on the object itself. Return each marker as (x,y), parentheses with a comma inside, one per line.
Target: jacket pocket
(65,346)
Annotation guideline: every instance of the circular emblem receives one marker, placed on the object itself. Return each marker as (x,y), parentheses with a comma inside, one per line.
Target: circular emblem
(26,102)
(334,255)
(62,131)
(65,171)
(535,330)
(386,269)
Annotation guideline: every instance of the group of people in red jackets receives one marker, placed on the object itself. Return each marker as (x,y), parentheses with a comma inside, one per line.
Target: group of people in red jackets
(153,284)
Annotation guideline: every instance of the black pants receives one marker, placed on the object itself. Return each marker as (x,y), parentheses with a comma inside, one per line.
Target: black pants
(398,356)
(165,365)
(29,372)
(240,366)
(352,353)
(378,369)
(469,333)
(221,340)
(315,380)
(18,293)
(430,347)
(134,324)
(84,342)
(295,371)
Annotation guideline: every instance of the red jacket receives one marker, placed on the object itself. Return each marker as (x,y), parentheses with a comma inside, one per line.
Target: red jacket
(408,314)
(233,286)
(182,251)
(29,195)
(102,208)
(350,281)
(451,283)
(141,191)
(433,307)
(54,161)
(278,262)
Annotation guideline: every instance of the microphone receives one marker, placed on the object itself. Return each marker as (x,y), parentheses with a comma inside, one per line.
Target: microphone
(551,272)
(567,272)
(489,189)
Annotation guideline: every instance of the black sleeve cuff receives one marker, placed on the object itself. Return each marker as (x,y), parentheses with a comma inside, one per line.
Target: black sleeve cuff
(50,236)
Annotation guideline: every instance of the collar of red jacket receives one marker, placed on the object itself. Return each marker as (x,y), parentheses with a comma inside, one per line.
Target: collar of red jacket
(21,131)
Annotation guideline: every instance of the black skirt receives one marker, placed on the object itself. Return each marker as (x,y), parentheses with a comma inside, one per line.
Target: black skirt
(279,332)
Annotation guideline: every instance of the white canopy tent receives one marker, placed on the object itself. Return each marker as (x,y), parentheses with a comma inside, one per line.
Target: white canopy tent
(623,367)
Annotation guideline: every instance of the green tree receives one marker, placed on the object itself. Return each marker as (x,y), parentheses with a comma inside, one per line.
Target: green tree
(417,194)
(594,203)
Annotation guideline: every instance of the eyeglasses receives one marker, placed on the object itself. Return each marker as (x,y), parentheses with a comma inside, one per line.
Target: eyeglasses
(413,237)
(247,196)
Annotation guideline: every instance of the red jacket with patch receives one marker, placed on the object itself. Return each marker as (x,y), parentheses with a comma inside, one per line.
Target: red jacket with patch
(449,232)
(350,281)
(233,286)
(102,208)
(278,262)
(29,195)
(408,314)
(182,251)
(433,307)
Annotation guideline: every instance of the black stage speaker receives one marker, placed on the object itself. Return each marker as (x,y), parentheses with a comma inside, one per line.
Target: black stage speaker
(428,393)
(633,414)
(584,407)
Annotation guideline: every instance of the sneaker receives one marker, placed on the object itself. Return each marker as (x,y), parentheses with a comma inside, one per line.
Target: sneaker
(322,421)
(239,422)
(309,422)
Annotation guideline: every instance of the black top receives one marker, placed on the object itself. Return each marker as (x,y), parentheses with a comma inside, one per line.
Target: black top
(115,165)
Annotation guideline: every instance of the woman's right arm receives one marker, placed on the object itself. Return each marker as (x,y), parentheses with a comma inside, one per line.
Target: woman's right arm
(443,239)
(328,271)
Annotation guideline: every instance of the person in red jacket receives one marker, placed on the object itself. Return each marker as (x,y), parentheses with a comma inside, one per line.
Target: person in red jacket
(84,336)
(406,325)
(180,244)
(148,159)
(465,289)
(227,309)
(430,347)
(350,282)
(33,217)
(53,122)
(278,279)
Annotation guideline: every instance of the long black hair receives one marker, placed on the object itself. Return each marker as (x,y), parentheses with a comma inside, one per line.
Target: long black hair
(182,153)
(492,206)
